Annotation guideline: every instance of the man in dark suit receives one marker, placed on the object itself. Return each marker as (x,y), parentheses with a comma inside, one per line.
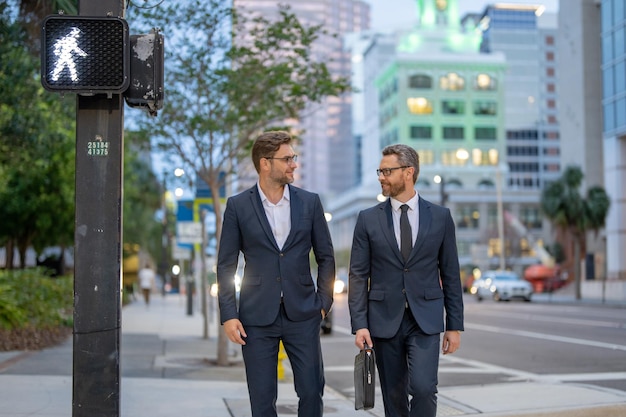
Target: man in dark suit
(402,278)
(275,225)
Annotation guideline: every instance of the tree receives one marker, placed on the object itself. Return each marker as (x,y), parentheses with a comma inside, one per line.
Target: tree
(36,151)
(32,13)
(573,215)
(142,195)
(229,76)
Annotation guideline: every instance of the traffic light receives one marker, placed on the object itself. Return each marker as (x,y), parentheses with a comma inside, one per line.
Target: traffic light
(146,72)
(88,55)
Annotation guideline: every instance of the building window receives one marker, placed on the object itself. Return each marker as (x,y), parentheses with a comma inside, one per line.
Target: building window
(530,217)
(551,103)
(453,107)
(427,156)
(467,216)
(550,71)
(454,158)
(485,82)
(551,135)
(551,167)
(419,105)
(420,81)
(549,56)
(481,157)
(485,108)
(453,132)
(452,81)
(485,133)
(549,40)
(421,132)
(550,88)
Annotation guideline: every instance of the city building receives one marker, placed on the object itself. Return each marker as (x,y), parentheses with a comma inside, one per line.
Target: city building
(613,47)
(580,109)
(329,161)
(471,96)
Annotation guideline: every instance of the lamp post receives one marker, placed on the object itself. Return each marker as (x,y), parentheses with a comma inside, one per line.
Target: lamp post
(443,195)
(499,181)
(164,237)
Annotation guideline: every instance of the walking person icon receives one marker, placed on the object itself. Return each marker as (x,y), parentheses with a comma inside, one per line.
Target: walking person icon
(65,48)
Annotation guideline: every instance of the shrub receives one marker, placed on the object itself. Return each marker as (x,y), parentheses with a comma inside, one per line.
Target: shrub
(35,309)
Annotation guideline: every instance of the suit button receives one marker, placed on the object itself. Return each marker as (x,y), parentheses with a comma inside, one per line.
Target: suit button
(277,278)
(282,254)
(406,270)
(403,291)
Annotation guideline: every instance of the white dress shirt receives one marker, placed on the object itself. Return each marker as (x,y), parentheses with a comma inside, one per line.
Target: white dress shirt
(278,216)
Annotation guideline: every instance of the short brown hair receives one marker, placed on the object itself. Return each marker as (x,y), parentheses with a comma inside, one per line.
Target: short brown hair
(407,156)
(267,144)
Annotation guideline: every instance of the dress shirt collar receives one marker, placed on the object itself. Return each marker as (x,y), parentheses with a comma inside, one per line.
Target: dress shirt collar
(412,203)
(264,198)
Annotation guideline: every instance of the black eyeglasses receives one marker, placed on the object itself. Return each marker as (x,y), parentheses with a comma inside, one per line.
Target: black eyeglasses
(387,171)
(286,159)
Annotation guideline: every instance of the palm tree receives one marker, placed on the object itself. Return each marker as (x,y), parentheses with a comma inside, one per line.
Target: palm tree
(572,215)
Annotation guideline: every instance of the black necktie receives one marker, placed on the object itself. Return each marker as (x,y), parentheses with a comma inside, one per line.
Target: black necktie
(406,238)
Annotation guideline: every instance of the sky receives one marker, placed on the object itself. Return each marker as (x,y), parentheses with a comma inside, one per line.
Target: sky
(388,15)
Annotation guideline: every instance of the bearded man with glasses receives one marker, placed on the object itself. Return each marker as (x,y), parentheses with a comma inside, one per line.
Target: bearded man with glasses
(404,279)
(275,225)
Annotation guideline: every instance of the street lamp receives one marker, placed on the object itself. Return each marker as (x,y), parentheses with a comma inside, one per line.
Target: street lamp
(443,195)
(164,236)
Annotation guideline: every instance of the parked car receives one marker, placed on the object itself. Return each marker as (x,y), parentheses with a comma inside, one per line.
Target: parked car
(501,286)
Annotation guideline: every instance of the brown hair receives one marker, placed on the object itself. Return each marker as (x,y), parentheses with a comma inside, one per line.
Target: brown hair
(267,144)
(407,156)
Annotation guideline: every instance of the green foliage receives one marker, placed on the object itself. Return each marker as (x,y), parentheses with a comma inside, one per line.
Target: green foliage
(228,76)
(563,204)
(142,196)
(36,149)
(30,298)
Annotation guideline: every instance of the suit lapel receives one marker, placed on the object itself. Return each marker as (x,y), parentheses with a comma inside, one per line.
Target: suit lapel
(257,204)
(295,207)
(386,224)
(425,220)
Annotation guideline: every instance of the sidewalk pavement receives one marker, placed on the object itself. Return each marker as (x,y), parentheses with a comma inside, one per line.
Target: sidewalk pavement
(168,369)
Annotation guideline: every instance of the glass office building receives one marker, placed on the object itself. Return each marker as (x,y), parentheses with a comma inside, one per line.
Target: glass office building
(613,23)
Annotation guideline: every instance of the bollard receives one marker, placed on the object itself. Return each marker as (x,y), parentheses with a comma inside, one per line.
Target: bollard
(282,355)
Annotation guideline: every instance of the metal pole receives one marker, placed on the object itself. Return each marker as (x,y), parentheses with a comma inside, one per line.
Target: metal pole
(500,216)
(97,245)
(203,278)
(164,238)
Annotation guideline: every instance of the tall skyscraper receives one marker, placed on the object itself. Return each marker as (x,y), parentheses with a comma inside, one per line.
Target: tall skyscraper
(613,22)
(329,153)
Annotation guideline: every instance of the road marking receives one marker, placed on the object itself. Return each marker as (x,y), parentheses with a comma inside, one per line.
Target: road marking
(545,336)
(535,317)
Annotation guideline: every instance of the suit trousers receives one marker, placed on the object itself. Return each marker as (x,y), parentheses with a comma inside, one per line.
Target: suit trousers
(408,364)
(302,345)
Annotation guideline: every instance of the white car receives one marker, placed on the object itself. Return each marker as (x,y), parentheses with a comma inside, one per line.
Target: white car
(501,286)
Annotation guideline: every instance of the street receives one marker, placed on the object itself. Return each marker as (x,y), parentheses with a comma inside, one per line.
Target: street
(511,342)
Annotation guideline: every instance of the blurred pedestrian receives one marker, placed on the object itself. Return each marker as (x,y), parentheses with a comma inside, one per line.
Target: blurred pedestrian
(146,282)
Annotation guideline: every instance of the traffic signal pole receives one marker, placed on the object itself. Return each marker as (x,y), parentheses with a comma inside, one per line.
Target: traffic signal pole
(98,243)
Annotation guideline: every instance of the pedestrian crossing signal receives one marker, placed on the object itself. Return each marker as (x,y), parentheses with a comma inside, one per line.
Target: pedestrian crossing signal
(85,55)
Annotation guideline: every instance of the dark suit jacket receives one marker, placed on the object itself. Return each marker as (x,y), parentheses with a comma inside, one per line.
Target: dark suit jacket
(270,271)
(381,283)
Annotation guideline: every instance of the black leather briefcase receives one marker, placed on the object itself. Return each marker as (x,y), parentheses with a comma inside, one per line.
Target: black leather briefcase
(364,379)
